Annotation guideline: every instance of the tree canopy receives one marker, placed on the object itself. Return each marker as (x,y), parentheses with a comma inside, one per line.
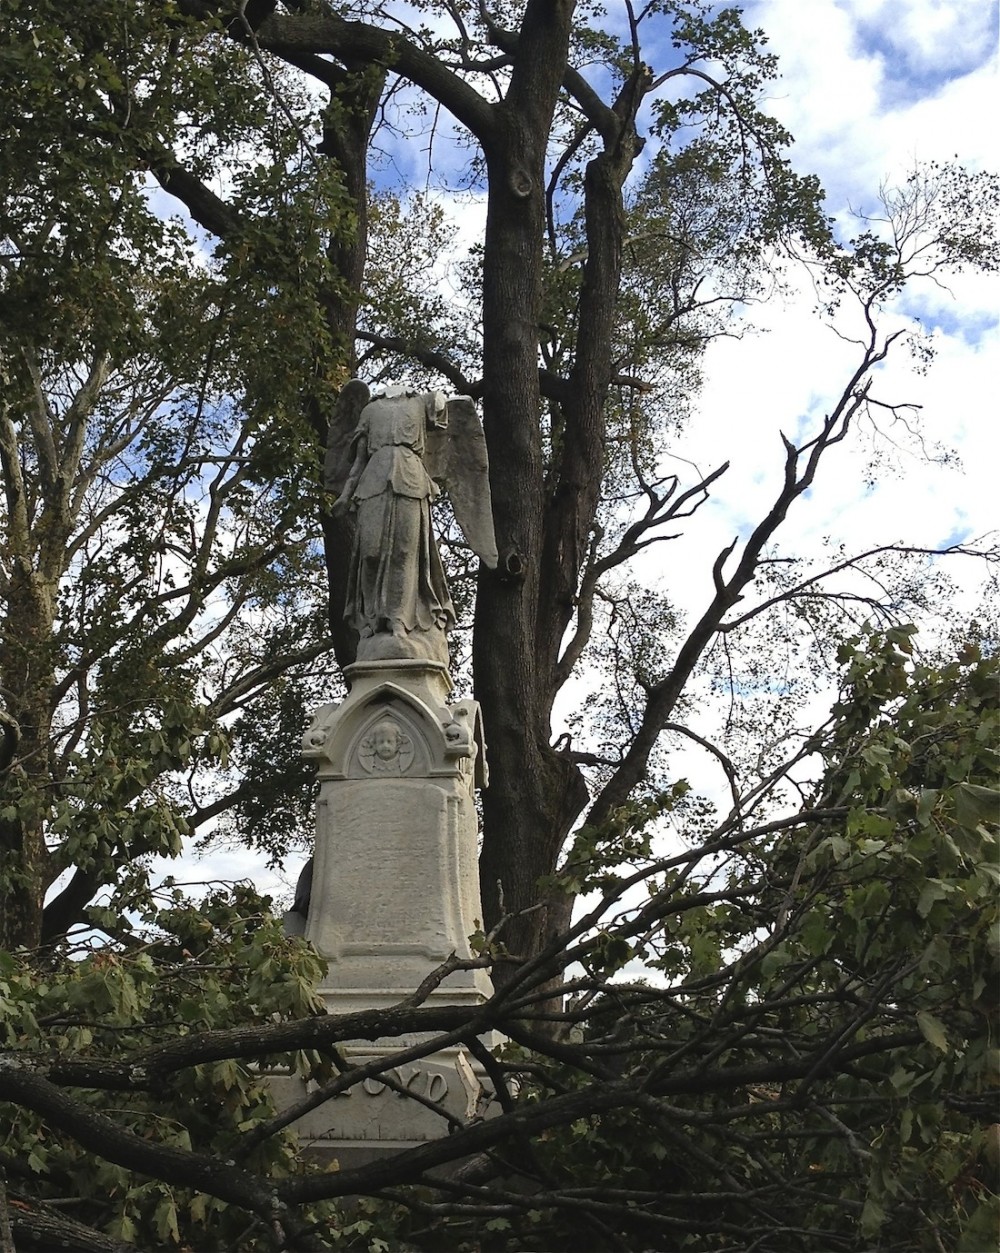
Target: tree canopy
(194,261)
(806,1065)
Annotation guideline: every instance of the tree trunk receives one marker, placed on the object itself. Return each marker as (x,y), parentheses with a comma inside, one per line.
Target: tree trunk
(535,793)
(26,664)
(346,136)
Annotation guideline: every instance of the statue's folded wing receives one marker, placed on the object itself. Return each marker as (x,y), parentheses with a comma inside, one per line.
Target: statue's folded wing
(340,434)
(456,457)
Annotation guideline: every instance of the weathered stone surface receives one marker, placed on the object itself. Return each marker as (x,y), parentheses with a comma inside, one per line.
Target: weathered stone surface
(398,894)
(404,446)
(376,1116)
(395,890)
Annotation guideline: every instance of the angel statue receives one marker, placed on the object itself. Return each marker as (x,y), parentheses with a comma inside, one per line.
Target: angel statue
(404,447)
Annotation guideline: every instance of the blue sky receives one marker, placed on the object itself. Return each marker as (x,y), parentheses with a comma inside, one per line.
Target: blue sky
(868,88)
(923,46)
(883,80)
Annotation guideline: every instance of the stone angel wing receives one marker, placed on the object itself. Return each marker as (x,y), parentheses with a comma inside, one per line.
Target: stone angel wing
(340,434)
(455,456)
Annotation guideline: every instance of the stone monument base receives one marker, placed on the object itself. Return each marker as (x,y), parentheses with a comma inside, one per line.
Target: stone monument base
(411,1104)
(394,893)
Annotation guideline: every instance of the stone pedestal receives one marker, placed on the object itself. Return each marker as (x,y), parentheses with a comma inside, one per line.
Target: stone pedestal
(395,885)
(377,1117)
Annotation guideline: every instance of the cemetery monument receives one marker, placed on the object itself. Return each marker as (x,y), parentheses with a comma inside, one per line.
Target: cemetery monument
(394,884)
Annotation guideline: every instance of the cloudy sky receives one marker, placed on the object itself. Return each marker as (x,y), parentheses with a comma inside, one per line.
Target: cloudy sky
(868,88)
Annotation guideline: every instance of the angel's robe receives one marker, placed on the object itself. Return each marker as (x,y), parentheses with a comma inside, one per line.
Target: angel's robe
(396,582)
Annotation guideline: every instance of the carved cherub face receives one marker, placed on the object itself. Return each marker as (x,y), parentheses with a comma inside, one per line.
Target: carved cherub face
(385,740)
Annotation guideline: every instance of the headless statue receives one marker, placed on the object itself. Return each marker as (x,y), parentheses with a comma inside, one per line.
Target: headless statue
(404,447)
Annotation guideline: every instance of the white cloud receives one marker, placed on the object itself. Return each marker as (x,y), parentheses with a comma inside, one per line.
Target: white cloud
(831,96)
(928,36)
(857,92)
(842,64)
(200,873)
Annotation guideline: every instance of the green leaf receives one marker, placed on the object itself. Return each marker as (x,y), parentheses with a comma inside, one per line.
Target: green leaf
(979,1231)
(932,1030)
(933,890)
(816,934)
(975,804)
(165,1220)
(872,1217)
(990,869)
(124,1229)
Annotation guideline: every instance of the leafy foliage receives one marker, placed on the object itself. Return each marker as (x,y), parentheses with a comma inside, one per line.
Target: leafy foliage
(811,1062)
(160,556)
(220,962)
